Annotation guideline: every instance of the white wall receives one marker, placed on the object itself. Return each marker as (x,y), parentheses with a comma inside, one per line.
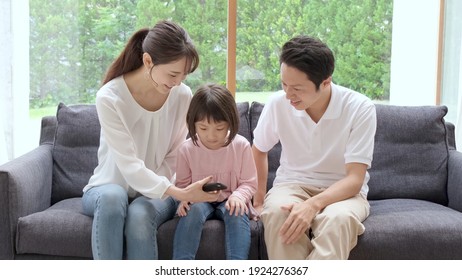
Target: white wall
(17,134)
(21,79)
(414,52)
(5,80)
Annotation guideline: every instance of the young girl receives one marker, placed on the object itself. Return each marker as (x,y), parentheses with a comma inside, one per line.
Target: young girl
(141,108)
(215,149)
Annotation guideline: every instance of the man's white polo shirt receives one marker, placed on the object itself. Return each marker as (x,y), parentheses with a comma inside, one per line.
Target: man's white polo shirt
(316,153)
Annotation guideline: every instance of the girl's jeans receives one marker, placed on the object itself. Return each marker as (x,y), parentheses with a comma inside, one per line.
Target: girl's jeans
(189,229)
(114,217)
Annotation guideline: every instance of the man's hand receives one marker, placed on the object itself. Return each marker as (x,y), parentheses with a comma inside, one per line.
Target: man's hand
(299,220)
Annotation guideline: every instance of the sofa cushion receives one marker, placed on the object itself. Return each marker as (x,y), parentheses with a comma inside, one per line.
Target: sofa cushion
(274,154)
(75,150)
(410,229)
(244,123)
(61,230)
(76,145)
(48,130)
(410,154)
(212,244)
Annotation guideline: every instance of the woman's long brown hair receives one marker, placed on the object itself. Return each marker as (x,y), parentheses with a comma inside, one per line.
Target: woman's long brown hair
(166,42)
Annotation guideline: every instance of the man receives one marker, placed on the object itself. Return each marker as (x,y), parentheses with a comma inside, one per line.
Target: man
(318,201)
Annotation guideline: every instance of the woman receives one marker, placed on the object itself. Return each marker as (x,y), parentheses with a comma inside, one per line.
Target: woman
(141,107)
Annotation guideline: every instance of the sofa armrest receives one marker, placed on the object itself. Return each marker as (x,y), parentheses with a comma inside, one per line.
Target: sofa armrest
(455,180)
(25,188)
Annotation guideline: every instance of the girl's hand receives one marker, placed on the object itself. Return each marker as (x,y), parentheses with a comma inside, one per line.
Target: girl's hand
(236,206)
(183,208)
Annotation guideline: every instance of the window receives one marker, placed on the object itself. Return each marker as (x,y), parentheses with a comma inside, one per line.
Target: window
(73,42)
(452,59)
(83,37)
(358,32)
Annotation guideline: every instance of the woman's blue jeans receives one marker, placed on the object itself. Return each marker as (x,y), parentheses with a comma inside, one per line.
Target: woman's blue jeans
(189,230)
(114,218)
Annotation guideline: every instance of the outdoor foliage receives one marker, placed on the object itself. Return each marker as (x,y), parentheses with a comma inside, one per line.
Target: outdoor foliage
(73,42)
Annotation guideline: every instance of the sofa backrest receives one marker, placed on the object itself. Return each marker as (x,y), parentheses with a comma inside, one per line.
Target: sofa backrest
(410,155)
(76,133)
(275,153)
(75,149)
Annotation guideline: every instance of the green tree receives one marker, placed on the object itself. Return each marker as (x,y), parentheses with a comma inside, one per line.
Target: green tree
(359,33)
(205,22)
(54,51)
(74,42)
(104,28)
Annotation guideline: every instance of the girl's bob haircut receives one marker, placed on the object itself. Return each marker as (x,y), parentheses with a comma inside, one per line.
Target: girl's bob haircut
(216,103)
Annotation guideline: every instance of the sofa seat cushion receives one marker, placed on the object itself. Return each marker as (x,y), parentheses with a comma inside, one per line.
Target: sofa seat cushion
(212,244)
(410,229)
(60,230)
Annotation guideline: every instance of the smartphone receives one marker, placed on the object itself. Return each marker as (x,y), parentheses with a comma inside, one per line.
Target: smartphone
(210,187)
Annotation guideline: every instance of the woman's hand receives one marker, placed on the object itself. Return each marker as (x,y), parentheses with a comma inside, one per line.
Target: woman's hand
(193,192)
(196,194)
(236,206)
(183,208)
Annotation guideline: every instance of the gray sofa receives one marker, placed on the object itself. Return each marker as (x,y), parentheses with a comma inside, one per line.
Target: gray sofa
(415,190)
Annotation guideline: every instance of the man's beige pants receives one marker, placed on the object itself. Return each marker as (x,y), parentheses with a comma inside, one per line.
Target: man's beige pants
(334,231)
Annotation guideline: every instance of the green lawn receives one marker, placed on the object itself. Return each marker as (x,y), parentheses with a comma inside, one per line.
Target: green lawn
(35,114)
(253,96)
(262,97)
(240,97)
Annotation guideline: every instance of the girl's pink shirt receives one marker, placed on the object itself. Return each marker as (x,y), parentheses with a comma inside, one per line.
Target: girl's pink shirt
(232,166)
